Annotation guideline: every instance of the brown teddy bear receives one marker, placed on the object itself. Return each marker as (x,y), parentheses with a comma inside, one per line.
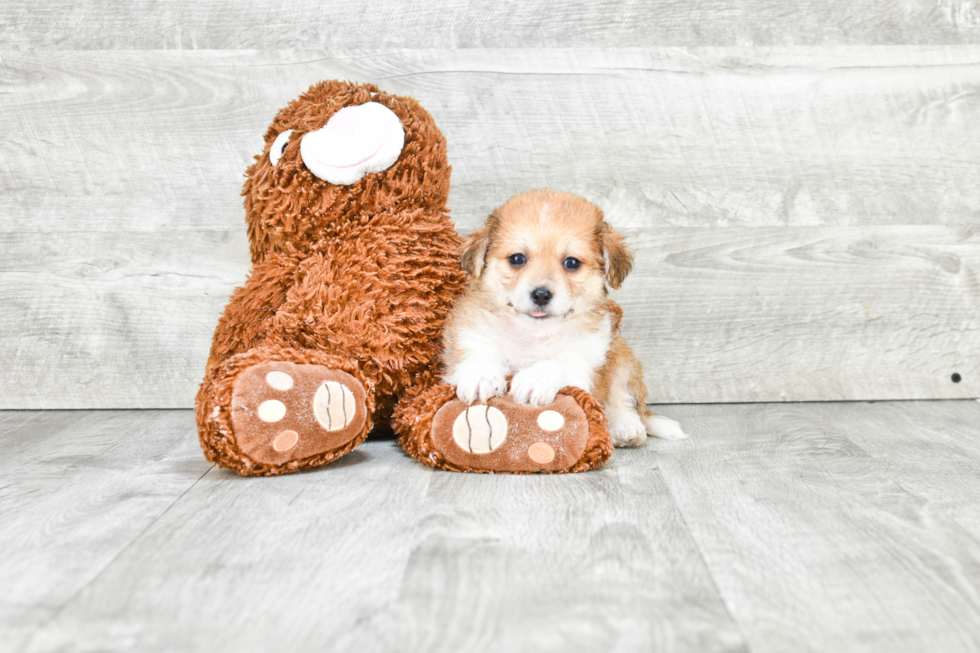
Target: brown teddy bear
(355,265)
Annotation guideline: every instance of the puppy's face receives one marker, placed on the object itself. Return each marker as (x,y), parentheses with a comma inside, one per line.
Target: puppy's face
(545,257)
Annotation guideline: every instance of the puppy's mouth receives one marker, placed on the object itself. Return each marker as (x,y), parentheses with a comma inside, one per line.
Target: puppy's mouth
(540,314)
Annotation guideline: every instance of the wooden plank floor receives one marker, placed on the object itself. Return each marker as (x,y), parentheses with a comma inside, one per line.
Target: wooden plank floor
(775,527)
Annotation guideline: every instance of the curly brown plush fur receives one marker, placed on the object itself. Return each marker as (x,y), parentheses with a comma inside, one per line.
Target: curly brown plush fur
(356,278)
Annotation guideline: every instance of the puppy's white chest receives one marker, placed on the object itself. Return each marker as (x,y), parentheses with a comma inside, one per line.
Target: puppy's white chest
(584,349)
(523,352)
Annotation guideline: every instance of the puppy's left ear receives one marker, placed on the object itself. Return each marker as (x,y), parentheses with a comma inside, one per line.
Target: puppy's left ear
(617,260)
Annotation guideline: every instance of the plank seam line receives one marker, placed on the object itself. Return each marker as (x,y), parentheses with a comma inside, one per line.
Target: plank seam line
(411,548)
(510,73)
(697,545)
(109,564)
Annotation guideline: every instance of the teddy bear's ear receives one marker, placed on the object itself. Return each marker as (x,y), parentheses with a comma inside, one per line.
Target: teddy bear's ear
(477,245)
(617,260)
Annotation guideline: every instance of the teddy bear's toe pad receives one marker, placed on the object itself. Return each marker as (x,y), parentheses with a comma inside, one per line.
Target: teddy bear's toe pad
(502,436)
(283,411)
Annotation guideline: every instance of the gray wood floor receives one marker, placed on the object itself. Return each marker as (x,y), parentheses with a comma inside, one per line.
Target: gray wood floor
(775,527)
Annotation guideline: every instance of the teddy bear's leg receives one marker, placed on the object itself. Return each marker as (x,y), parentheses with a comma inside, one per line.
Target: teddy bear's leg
(568,435)
(267,412)
(283,412)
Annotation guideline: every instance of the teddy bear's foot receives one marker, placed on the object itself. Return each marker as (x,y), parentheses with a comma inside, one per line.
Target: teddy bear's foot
(502,436)
(283,412)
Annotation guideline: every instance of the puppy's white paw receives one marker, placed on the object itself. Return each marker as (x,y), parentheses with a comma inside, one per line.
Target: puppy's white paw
(627,431)
(474,386)
(538,384)
(664,427)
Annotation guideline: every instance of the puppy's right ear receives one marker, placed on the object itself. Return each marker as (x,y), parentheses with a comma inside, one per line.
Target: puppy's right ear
(477,245)
(617,260)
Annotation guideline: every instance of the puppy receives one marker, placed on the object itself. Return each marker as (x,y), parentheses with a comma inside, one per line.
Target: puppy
(536,307)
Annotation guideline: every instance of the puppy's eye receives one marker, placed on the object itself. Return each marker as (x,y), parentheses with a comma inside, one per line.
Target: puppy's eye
(279,146)
(517,260)
(571,264)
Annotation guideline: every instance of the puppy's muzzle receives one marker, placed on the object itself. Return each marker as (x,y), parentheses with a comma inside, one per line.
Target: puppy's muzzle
(541,296)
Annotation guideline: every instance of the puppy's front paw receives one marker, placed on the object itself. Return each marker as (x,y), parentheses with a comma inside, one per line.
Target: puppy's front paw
(627,431)
(473,387)
(537,385)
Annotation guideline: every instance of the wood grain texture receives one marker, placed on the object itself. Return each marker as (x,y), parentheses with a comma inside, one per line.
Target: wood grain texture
(153,141)
(112,319)
(223,24)
(288,563)
(937,458)
(774,527)
(767,314)
(123,229)
(77,488)
(379,553)
(592,562)
(817,544)
(802,314)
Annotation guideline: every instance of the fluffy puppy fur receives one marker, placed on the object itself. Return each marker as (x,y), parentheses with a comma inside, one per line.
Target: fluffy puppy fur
(536,308)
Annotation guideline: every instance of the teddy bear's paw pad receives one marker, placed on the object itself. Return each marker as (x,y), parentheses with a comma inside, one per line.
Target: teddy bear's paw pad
(502,436)
(283,411)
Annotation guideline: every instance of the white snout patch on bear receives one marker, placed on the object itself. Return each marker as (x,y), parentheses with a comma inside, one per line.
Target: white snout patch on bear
(356,141)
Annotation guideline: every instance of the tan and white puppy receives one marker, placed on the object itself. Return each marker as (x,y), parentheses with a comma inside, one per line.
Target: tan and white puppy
(536,308)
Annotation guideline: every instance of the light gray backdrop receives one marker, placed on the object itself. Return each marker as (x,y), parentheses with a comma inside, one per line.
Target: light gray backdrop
(800,180)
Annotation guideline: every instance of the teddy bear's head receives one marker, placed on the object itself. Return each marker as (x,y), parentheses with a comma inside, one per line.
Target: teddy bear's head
(342,151)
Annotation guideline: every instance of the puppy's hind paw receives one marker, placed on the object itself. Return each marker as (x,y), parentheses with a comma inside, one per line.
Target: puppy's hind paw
(627,432)
(664,427)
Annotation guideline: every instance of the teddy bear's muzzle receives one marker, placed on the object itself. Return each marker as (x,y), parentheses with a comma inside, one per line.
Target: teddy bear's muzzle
(356,141)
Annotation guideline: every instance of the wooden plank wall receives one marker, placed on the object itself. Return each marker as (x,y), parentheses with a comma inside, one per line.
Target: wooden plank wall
(801,181)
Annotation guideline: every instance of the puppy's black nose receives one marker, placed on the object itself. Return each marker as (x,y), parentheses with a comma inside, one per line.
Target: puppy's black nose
(541,296)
